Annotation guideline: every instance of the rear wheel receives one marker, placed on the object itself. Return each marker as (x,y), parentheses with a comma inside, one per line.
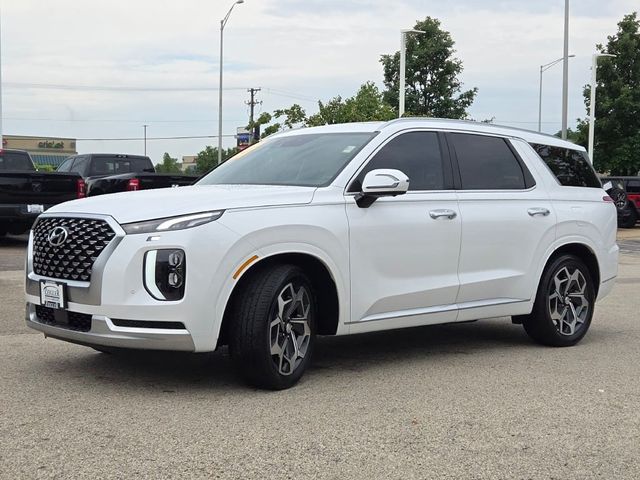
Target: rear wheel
(564,303)
(274,327)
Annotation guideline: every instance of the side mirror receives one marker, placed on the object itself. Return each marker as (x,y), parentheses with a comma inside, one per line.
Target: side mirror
(381,183)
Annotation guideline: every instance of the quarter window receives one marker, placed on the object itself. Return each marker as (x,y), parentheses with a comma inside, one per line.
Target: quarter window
(571,167)
(416,154)
(66,165)
(487,163)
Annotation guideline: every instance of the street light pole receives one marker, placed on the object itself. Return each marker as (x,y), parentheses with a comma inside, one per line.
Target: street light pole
(403,61)
(565,72)
(544,68)
(145,139)
(1,131)
(223,22)
(592,102)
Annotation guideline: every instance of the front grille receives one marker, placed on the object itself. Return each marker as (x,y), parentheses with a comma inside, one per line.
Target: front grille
(80,322)
(73,259)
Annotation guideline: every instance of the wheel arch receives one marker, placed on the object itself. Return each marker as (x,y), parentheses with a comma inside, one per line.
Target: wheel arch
(582,251)
(323,282)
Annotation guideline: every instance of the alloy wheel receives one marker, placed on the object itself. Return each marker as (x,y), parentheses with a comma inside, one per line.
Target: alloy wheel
(568,303)
(290,330)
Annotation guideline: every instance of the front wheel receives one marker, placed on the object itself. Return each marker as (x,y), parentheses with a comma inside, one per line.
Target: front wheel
(274,327)
(564,303)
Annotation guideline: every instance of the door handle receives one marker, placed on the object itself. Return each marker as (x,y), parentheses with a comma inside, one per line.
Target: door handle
(444,213)
(538,211)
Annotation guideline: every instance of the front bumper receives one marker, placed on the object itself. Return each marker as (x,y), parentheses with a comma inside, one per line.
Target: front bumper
(116,293)
(19,212)
(103,332)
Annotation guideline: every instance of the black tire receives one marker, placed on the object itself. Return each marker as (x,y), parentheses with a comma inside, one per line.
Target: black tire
(256,331)
(630,220)
(540,324)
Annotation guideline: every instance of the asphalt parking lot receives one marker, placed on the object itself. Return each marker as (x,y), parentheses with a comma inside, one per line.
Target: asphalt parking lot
(472,400)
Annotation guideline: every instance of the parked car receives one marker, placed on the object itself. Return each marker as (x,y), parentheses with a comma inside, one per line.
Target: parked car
(111,173)
(25,193)
(626,193)
(333,230)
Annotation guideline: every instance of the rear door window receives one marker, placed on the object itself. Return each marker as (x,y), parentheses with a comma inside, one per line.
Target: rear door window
(488,163)
(571,167)
(633,186)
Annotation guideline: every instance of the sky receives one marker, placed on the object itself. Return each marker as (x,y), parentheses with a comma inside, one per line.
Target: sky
(91,69)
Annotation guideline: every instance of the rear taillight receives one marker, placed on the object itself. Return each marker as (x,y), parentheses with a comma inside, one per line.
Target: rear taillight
(607,198)
(133,185)
(81,188)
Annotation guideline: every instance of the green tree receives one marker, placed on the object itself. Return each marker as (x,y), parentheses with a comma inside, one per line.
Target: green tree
(432,85)
(366,105)
(168,165)
(617,128)
(207,159)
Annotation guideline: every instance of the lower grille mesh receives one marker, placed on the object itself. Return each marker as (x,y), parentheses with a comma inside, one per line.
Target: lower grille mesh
(80,322)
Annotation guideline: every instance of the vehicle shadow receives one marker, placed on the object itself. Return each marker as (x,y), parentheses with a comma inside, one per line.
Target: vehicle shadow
(172,371)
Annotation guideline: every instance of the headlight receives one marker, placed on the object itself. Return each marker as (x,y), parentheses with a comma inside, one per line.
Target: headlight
(172,223)
(165,272)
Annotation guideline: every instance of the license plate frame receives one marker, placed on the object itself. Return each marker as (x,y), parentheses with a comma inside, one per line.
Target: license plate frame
(53,294)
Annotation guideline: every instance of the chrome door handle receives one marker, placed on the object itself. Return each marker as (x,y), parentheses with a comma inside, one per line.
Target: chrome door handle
(538,211)
(444,213)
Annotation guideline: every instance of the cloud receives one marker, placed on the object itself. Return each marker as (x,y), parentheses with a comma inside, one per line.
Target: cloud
(298,51)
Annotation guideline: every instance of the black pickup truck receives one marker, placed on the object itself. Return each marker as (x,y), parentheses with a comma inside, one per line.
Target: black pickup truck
(25,193)
(111,173)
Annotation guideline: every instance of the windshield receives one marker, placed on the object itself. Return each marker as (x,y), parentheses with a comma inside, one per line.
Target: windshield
(310,160)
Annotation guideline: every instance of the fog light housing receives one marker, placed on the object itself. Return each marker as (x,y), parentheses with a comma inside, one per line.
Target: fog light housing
(165,273)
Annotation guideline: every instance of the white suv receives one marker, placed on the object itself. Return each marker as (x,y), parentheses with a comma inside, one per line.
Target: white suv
(333,230)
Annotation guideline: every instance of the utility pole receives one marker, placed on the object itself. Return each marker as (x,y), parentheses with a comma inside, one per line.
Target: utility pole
(565,72)
(255,133)
(1,131)
(145,139)
(252,103)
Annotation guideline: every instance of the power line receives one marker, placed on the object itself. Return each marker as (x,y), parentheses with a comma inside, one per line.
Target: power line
(114,120)
(113,88)
(134,88)
(186,137)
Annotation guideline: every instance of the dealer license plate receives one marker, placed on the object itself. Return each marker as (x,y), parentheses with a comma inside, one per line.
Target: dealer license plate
(53,294)
(33,208)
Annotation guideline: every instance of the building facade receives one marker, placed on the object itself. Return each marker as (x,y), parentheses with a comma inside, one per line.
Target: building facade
(188,163)
(43,150)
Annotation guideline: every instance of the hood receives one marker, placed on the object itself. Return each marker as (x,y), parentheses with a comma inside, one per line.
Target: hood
(127,207)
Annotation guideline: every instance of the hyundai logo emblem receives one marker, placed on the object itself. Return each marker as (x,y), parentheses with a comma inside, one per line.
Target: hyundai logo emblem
(57,236)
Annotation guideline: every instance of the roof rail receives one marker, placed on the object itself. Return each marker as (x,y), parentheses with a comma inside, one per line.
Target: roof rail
(468,122)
